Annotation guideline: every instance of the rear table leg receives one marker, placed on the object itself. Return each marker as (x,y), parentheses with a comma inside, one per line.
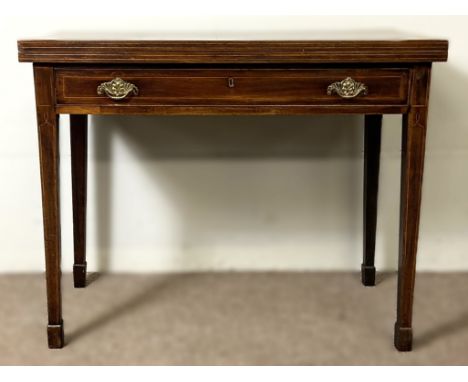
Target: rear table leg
(79,144)
(372,139)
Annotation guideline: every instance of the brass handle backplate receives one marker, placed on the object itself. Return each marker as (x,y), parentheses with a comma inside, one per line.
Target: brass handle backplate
(117,89)
(348,88)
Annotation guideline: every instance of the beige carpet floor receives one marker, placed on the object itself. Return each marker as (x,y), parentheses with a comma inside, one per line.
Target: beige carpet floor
(282,318)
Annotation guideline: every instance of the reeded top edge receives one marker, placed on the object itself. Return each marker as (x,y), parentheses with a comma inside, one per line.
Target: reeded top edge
(232,51)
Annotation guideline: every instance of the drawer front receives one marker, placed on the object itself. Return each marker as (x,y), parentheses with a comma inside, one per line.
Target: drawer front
(232,86)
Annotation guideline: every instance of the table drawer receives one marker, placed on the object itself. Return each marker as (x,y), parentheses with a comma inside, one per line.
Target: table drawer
(373,86)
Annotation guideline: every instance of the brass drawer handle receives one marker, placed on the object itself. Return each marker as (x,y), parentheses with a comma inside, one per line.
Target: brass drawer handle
(117,89)
(348,88)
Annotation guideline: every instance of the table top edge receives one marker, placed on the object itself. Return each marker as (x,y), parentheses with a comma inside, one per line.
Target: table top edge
(232,51)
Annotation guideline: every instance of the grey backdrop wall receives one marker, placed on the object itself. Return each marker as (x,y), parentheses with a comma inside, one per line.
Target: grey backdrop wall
(192,193)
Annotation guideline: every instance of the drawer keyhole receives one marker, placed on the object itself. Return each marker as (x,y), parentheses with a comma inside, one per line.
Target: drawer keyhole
(231,82)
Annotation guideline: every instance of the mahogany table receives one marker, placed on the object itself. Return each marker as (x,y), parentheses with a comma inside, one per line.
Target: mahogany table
(233,78)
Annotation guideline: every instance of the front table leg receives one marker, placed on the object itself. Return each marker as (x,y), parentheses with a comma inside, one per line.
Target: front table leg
(47,122)
(413,142)
(412,165)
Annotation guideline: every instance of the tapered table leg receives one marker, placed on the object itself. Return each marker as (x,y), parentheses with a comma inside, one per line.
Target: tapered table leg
(412,165)
(47,122)
(79,150)
(372,139)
